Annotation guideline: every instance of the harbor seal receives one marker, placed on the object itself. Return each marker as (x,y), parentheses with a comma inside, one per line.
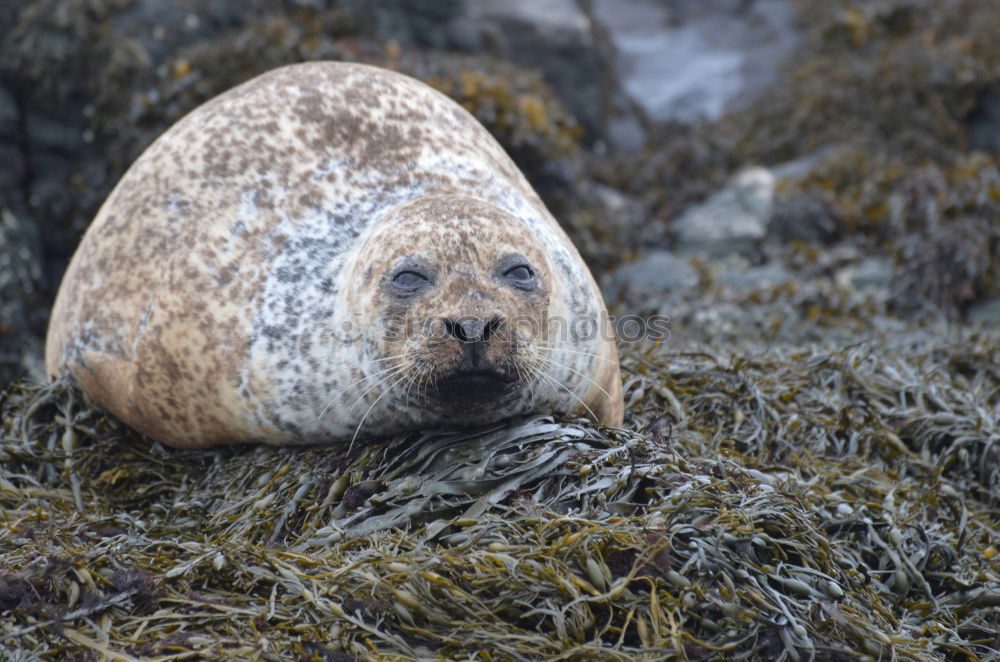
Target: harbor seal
(329,251)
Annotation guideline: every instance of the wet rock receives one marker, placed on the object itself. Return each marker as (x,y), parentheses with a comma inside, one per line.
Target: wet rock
(801,216)
(870,273)
(624,210)
(691,60)
(734,220)
(624,130)
(755,279)
(986,313)
(658,276)
(426,23)
(983,125)
(8,112)
(12,172)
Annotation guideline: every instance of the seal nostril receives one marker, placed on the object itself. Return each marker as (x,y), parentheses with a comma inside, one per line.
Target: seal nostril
(464,330)
(492,326)
(469,329)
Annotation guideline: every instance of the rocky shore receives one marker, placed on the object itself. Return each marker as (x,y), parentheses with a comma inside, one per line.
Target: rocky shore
(809,191)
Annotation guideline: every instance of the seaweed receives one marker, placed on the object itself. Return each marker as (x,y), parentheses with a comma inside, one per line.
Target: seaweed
(789,502)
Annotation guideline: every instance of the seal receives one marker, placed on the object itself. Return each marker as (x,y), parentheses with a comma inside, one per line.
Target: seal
(329,251)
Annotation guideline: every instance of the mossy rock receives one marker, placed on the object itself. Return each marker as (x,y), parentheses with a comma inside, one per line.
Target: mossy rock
(883,98)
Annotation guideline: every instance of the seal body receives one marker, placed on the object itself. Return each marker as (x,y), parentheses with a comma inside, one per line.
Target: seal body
(329,251)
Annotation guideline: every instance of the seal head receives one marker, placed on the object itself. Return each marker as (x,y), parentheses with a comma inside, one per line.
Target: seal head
(459,299)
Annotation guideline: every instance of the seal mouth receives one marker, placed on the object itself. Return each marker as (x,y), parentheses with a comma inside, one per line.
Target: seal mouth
(474,385)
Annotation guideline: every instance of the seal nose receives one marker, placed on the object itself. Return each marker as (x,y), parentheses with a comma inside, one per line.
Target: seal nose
(473,329)
(474,334)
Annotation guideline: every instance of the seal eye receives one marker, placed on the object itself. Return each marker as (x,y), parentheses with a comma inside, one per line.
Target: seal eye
(409,280)
(521,275)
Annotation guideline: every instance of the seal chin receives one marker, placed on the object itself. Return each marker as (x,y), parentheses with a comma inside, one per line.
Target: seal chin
(470,387)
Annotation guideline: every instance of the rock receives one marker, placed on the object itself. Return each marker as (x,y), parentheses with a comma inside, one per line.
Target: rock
(421,22)
(687,61)
(802,216)
(8,112)
(627,211)
(552,35)
(624,130)
(871,273)
(658,276)
(986,313)
(12,173)
(21,311)
(624,125)
(800,167)
(755,279)
(983,125)
(734,220)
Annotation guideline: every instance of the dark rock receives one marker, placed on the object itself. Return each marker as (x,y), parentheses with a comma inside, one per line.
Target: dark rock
(624,125)
(12,173)
(650,280)
(426,23)
(22,311)
(553,35)
(986,313)
(801,216)
(983,124)
(8,112)
(688,61)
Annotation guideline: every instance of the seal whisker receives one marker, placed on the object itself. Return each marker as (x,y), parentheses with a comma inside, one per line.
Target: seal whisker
(417,371)
(576,372)
(402,355)
(536,370)
(369,411)
(379,378)
(378,375)
(592,355)
(555,382)
(524,376)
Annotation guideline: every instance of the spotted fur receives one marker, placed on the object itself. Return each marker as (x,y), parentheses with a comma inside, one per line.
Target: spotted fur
(233,286)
